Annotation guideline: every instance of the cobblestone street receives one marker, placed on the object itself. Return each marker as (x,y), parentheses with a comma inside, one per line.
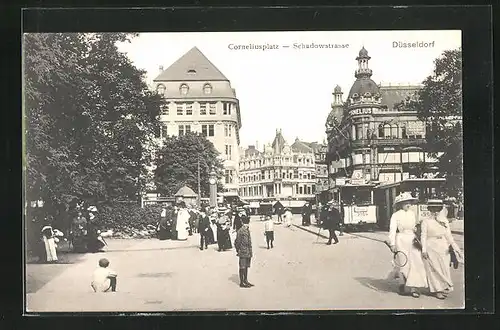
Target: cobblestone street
(300,273)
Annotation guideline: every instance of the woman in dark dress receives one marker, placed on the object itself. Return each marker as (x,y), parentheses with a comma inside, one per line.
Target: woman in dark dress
(163,225)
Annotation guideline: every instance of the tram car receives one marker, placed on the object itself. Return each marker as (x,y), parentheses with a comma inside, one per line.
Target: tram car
(357,205)
(421,188)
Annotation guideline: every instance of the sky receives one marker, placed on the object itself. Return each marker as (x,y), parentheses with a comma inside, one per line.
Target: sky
(290,88)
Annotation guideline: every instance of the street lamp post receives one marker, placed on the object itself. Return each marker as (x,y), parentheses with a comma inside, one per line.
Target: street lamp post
(213,188)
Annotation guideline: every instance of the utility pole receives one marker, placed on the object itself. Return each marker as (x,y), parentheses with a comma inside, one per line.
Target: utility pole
(199,184)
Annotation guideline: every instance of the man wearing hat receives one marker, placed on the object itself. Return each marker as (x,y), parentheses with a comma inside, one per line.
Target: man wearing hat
(243,246)
(331,222)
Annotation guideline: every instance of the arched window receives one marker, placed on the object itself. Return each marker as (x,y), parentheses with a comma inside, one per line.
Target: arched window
(160,89)
(381,131)
(207,89)
(184,89)
(387,131)
(394,131)
(403,132)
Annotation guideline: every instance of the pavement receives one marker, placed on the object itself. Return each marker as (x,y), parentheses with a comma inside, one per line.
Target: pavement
(301,272)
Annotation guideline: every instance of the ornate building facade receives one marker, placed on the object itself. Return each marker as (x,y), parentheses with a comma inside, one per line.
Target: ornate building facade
(200,99)
(370,140)
(280,172)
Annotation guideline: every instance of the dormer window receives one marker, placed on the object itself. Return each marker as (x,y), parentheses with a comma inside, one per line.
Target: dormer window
(160,89)
(191,71)
(355,95)
(184,89)
(207,89)
(368,94)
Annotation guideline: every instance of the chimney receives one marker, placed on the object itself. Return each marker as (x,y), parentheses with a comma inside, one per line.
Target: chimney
(257,145)
(161,68)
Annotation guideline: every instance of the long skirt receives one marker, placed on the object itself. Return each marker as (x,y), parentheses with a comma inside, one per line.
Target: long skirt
(162,234)
(438,265)
(214,232)
(223,239)
(413,273)
(50,249)
(210,236)
(182,234)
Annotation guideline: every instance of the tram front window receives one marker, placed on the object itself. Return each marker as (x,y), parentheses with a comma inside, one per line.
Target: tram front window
(362,197)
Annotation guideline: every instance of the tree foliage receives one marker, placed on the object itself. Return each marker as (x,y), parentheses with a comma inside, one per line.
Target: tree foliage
(177,164)
(439,105)
(88,114)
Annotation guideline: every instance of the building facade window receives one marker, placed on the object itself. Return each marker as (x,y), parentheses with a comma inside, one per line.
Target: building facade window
(228,152)
(164,110)
(184,129)
(213,109)
(161,89)
(227,132)
(229,176)
(180,109)
(226,108)
(207,130)
(203,109)
(184,89)
(207,89)
(189,109)
(164,131)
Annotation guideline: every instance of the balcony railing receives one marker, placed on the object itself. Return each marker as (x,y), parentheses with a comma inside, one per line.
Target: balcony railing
(387,142)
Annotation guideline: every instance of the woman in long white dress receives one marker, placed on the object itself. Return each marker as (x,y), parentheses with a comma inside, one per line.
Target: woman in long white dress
(402,233)
(436,242)
(49,241)
(182,226)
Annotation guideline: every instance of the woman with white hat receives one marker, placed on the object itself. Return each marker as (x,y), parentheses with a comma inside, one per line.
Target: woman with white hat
(49,240)
(402,232)
(438,247)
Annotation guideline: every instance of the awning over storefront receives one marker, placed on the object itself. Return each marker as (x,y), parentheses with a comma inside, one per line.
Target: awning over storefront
(228,194)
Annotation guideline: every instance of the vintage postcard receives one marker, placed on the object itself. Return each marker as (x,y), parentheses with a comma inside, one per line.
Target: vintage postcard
(243,171)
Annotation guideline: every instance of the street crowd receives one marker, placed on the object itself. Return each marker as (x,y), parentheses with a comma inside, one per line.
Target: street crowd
(427,246)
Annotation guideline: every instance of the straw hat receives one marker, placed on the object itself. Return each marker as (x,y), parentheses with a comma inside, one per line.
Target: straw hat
(404,197)
(46,227)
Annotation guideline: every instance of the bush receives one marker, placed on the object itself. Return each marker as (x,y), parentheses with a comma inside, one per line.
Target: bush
(129,220)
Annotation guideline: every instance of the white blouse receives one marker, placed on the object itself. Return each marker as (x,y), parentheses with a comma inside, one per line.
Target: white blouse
(402,222)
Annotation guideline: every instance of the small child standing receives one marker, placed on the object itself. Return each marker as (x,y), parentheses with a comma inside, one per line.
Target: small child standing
(103,278)
(269,232)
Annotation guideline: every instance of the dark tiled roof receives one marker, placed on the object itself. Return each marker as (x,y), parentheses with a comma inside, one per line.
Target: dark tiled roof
(363,85)
(279,142)
(192,60)
(299,146)
(391,95)
(251,151)
(199,95)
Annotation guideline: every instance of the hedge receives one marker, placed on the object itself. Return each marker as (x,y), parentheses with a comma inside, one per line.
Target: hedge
(129,220)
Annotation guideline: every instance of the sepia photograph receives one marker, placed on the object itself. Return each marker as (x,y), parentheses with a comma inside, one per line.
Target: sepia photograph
(243,171)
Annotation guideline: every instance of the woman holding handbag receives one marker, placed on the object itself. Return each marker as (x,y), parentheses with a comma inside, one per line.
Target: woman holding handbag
(438,247)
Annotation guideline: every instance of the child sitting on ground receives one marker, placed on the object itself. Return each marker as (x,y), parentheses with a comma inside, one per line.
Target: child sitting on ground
(103,278)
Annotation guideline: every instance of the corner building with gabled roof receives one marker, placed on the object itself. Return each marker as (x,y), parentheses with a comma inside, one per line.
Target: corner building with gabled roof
(200,99)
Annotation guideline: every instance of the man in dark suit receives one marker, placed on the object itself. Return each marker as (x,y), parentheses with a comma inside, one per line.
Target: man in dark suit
(332,223)
(203,229)
(306,214)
